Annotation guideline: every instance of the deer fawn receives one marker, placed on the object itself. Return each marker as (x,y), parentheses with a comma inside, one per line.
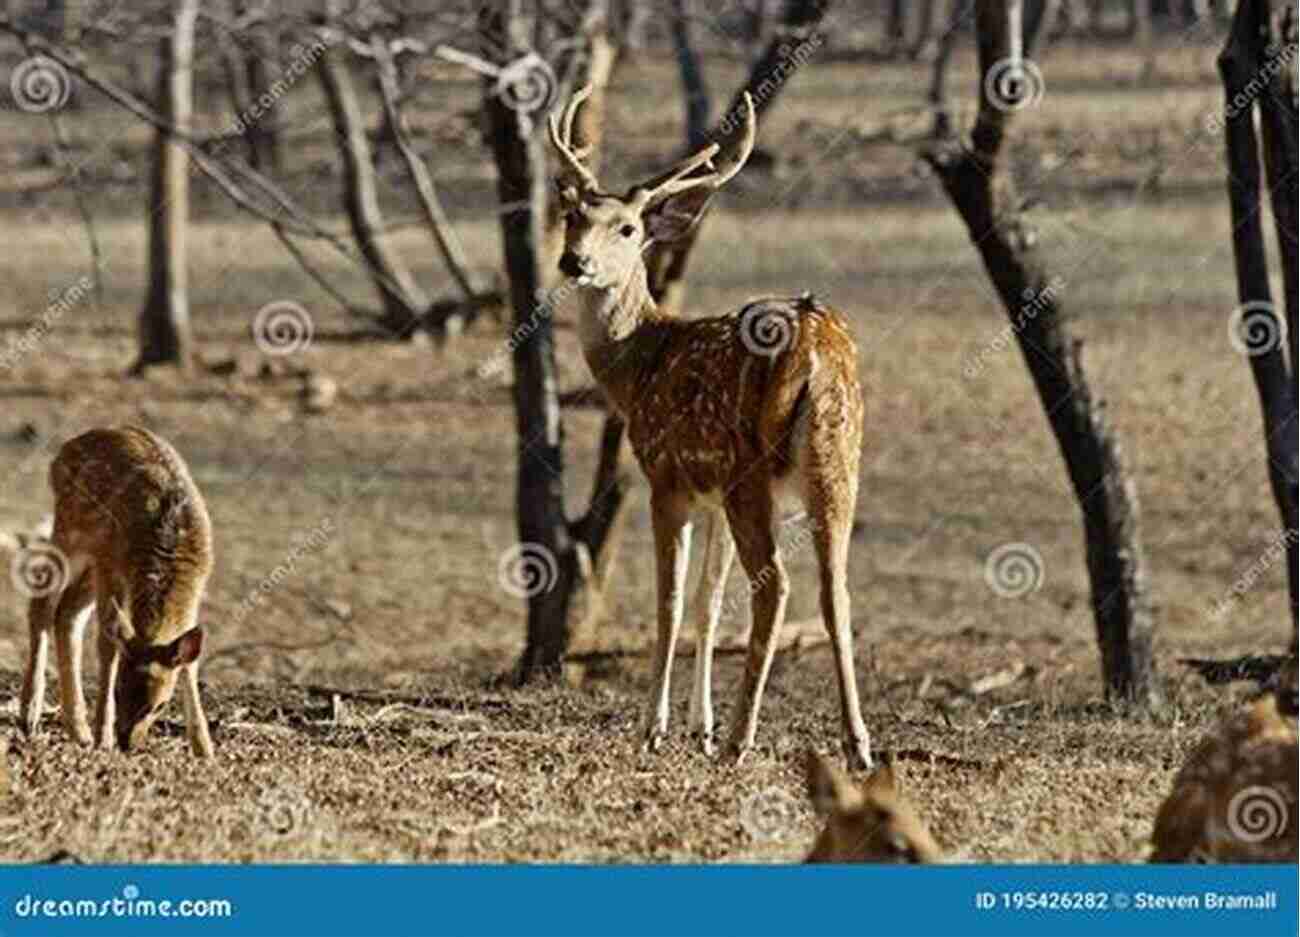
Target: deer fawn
(724,413)
(1234,800)
(867,823)
(132,536)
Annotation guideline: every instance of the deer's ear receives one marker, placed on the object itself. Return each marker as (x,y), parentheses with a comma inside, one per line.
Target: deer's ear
(185,649)
(674,217)
(829,788)
(566,193)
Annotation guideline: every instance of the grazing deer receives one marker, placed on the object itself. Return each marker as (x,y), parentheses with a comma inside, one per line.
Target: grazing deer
(132,537)
(1234,800)
(867,823)
(724,413)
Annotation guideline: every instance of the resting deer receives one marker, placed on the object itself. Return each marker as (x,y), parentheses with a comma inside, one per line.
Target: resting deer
(723,413)
(132,537)
(1234,800)
(867,823)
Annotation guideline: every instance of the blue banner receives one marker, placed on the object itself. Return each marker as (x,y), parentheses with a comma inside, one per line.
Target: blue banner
(648,901)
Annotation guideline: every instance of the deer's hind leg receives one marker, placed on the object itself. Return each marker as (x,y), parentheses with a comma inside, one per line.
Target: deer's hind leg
(719,551)
(69,630)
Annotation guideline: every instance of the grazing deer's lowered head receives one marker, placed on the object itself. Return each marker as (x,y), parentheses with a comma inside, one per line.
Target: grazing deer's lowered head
(724,414)
(131,539)
(871,822)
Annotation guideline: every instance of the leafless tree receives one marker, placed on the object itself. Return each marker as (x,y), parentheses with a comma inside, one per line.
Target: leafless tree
(1259,76)
(975,177)
(165,335)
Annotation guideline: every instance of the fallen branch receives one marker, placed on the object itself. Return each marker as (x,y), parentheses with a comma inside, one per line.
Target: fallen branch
(1259,668)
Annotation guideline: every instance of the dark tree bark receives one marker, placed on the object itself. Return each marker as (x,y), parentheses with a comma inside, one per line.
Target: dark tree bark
(1258,72)
(570,552)
(791,47)
(263,70)
(895,27)
(404,303)
(164,333)
(694,87)
(975,178)
(959,15)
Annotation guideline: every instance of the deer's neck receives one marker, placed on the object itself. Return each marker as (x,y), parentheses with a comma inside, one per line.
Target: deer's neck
(614,325)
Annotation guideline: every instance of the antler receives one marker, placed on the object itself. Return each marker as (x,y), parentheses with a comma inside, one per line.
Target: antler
(562,139)
(678,179)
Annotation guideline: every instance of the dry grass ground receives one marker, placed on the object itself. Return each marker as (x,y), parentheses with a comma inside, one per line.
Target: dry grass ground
(410,476)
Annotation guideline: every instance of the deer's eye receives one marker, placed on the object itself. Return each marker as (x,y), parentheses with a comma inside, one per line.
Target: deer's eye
(627,230)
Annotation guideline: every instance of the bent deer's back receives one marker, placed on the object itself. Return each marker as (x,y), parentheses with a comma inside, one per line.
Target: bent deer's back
(125,496)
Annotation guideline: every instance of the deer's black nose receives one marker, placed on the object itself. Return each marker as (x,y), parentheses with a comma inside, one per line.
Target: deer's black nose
(571,265)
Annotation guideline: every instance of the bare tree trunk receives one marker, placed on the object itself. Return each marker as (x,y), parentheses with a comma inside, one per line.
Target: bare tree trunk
(1254,69)
(976,180)
(958,15)
(924,29)
(164,332)
(263,71)
(895,27)
(1144,35)
(791,48)
(694,87)
(404,303)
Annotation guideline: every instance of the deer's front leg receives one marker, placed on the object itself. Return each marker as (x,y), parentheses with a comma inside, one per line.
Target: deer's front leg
(110,659)
(196,722)
(672,529)
(719,551)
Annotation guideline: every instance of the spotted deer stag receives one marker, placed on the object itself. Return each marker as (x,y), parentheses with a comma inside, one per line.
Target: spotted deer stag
(730,414)
(131,539)
(1234,799)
